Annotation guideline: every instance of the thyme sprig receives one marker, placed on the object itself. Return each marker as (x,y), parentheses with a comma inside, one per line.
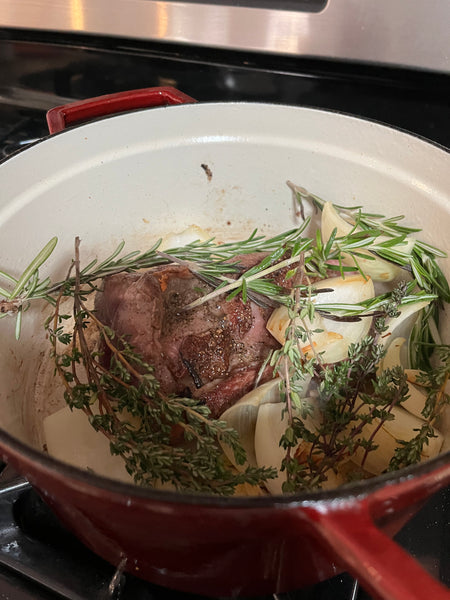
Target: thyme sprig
(162,439)
(434,382)
(350,394)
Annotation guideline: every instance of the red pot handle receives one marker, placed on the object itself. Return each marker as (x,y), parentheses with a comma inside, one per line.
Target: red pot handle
(60,117)
(385,570)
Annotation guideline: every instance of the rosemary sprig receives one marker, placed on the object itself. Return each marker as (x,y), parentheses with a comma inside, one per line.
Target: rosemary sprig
(27,287)
(209,259)
(217,264)
(369,233)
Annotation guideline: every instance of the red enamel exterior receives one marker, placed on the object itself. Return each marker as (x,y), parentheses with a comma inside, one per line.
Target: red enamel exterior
(232,547)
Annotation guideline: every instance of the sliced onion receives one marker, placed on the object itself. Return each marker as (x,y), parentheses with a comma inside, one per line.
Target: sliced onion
(329,336)
(72,439)
(271,425)
(393,354)
(350,289)
(332,220)
(406,312)
(332,348)
(403,427)
(412,375)
(443,423)
(415,403)
(242,417)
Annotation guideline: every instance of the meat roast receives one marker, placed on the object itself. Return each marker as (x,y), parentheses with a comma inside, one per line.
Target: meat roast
(213,352)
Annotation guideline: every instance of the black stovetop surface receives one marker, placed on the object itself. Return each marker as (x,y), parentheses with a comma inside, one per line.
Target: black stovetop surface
(42,70)
(39,559)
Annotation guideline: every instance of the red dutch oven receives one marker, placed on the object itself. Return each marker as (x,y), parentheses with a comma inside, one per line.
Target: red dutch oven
(137,174)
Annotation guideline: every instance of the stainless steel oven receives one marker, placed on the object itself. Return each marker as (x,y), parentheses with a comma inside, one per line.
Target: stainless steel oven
(386,60)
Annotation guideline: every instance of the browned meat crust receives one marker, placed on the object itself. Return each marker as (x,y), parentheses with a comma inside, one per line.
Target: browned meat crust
(213,352)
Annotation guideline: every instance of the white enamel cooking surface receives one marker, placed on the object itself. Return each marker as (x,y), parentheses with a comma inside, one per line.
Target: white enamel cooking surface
(138,175)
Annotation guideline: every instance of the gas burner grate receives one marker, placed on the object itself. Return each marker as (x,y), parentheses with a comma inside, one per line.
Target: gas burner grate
(23,131)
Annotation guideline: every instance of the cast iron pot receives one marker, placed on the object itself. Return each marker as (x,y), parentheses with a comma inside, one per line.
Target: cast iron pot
(142,173)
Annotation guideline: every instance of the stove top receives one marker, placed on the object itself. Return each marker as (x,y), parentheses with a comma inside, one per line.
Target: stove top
(41,70)
(39,559)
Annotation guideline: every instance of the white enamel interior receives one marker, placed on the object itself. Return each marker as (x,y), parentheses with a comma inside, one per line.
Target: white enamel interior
(139,175)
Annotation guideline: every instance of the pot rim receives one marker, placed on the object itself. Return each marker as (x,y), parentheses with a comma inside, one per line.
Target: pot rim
(347,492)
(198,105)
